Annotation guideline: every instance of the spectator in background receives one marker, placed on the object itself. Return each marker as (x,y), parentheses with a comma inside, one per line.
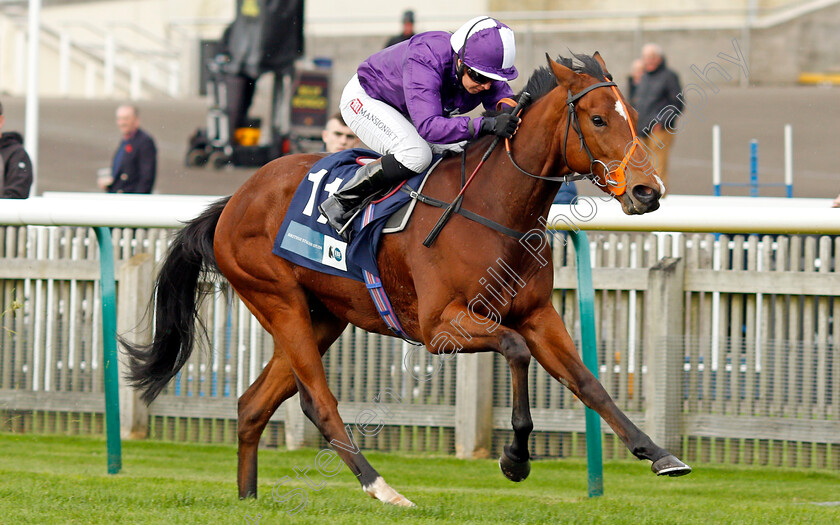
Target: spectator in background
(134,166)
(407,32)
(658,89)
(637,69)
(15,165)
(337,136)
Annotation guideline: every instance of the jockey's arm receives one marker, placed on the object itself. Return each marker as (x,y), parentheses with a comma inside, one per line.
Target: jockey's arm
(423,99)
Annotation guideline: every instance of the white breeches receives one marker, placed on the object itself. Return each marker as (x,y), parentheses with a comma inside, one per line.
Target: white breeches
(385,130)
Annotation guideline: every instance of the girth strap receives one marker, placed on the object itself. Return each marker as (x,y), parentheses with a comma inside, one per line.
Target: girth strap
(431,201)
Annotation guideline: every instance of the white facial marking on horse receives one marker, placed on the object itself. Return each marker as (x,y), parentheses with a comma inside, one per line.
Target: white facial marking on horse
(661,186)
(619,108)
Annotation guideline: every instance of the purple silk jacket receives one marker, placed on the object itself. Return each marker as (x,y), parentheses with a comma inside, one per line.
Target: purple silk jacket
(418,78)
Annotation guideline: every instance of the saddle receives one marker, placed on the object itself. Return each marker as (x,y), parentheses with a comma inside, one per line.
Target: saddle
(306,239)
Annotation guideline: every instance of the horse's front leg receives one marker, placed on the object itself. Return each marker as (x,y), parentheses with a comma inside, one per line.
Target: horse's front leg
(515,462)
(553,348)
(484,334)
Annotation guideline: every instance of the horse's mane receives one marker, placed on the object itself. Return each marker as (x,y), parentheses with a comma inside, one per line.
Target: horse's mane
(542,80)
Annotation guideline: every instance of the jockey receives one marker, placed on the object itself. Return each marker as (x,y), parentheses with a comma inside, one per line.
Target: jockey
(405,102)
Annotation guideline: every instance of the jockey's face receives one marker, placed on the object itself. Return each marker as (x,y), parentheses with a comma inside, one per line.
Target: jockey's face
(474,82)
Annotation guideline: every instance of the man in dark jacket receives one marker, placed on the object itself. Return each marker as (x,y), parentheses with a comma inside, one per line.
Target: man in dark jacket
(15,166)
(134,166)
(658,107)
(407,32)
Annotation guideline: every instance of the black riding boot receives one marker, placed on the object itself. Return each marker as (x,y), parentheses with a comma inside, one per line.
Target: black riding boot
(365,185)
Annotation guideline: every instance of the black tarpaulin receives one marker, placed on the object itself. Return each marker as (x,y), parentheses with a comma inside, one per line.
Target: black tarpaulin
(267,35)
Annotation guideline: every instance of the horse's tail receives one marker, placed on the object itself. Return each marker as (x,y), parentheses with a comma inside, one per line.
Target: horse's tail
(176,310)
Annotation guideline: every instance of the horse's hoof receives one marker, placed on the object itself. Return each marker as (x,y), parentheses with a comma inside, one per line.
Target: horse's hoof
(514,469)
(670,466)
(384,493)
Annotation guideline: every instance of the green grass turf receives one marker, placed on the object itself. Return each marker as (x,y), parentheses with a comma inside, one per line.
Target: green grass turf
(57,480)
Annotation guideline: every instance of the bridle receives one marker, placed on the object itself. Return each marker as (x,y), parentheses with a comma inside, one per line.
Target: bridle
(616,184)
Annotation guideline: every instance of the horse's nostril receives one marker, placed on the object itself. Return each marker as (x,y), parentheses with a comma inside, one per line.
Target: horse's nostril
(645,194)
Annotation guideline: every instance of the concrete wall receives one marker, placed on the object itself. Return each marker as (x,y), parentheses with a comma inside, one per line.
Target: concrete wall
(161,26)
(808,44)
(777,54)
(621,5)
(361,17)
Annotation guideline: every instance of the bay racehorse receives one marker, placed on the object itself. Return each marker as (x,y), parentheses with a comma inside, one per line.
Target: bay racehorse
(577,122)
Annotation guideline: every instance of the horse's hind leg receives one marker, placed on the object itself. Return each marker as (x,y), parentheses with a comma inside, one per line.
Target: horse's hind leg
(551,345)
(321,407)
(275,384)
(284,311)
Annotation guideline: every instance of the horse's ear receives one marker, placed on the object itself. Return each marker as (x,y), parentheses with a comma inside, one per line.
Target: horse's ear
(600,60)
(563,74)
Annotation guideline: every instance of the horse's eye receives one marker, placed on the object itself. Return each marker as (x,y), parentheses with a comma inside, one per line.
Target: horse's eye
(598,121)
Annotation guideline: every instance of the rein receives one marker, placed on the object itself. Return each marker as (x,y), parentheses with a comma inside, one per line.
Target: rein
(617,184)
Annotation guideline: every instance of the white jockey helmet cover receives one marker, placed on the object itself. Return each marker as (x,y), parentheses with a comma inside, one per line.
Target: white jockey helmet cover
(490,48)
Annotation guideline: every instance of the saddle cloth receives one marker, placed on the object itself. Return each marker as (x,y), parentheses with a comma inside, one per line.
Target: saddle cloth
(306,239)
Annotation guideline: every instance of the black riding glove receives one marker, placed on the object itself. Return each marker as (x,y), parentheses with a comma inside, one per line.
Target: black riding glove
(502,125)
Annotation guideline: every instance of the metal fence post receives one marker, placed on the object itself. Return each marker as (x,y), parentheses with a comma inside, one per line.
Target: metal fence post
(589,342)
(754,168)
(664,355)
(473,405)
(135,323)
(109,341)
